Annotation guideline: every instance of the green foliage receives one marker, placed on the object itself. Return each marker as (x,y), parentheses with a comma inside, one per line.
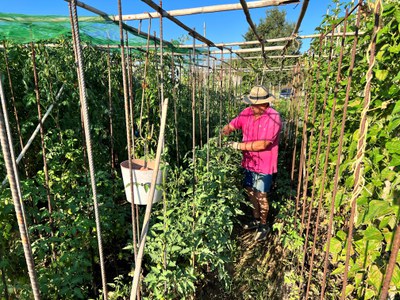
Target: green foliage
(377,206)
(190,234)
(64,241)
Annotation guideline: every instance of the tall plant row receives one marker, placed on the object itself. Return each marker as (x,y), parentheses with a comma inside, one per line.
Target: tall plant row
(64,242)
(348,215)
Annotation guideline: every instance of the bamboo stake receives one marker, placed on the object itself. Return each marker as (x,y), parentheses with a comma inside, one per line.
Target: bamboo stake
(308,162)
(163,177)
(359,168)
(303,152)
(249,50)
(174,98)
(128,133)
(326,158)
(146,221)
(36,131)
(110,108)
(194,150)
(13,97)
(339,155)
(220,103)
(296,81)
(317,161)
(8,155)
(45,167)
(205,9)
(131,94)
(207,95)
(391,263)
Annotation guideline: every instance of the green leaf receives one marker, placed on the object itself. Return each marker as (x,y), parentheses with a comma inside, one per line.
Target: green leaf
(349,289)
(369,294)
(336,246)
(393,124)
(375,277)
(341,235)
(394,49)
(381,74)
(396,276)
(338,270)
(372,233)
(395,161)
(378,209)
(388,221)
(388,238)
(393,146)
(396,108)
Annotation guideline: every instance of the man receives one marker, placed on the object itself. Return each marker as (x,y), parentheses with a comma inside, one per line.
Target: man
(260,125)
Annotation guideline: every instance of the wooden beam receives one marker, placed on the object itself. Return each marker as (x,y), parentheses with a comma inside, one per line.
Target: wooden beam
(253,27)
(266,70)
(248,50)
(271,57)
(283,39)
(193,33)
(311,36)
(206,9)
(240,43)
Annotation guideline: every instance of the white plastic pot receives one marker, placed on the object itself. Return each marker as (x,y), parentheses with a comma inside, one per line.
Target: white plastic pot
(141,177)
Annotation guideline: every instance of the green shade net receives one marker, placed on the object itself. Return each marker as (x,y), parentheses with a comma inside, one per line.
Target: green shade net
(23,29)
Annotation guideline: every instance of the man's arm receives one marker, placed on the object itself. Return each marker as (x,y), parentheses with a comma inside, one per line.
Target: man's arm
(253,146)
(227,129)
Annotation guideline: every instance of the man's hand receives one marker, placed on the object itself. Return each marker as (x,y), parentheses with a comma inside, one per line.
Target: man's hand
(233,145)
(227,129)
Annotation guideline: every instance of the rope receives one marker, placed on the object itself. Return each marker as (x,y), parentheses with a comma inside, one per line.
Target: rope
(85,115)
(7,148)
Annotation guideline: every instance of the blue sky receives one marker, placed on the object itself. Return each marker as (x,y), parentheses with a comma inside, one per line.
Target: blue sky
(220,27)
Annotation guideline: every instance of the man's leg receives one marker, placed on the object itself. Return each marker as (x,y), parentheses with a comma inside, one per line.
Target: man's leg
(254,223)
(262,187)
(254,201)
(263,205)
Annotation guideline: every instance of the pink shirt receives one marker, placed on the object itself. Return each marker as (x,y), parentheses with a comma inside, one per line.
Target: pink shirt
(266,127)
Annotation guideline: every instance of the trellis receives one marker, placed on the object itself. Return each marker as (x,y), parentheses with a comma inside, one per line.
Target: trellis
(304,163)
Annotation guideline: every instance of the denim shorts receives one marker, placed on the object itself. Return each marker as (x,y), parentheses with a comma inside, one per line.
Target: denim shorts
(258,181)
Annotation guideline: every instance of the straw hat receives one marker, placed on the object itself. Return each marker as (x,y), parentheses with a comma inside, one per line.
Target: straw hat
(258,95)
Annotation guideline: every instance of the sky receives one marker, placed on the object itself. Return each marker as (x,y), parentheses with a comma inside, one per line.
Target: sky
(219,27)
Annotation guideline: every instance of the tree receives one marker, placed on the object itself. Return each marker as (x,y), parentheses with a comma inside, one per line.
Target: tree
(274,25)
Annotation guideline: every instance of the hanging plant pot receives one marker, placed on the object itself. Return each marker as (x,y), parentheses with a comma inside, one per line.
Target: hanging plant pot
(142,174)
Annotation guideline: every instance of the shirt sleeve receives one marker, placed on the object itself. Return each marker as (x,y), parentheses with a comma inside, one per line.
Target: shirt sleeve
(236,122)
(273,127)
